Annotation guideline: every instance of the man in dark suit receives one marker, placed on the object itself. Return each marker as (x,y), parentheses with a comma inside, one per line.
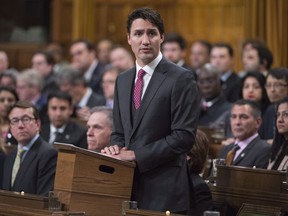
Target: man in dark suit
(61,128)
(31,166)
(222,57)
(83,97)
(84,58)
(248,150)
(155,119)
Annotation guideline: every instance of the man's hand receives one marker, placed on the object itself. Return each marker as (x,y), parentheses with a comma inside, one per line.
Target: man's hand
(118,153)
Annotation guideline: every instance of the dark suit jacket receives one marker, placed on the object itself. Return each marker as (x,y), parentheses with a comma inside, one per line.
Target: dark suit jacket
(37,171)
(267,128)
(96,79)
(162,132)
(203,196)
(256,153)
(231,88)
(73,134)
(96,100)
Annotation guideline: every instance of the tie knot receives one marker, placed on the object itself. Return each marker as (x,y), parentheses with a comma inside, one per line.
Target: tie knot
(141,73)
(20,152)
(236,147)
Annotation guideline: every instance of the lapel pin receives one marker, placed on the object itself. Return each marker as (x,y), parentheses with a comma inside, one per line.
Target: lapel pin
(67,136)
(243,154)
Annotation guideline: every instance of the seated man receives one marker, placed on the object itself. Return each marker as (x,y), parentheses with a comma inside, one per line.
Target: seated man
(99,126)
(31,166)
(248,150)
(60,128)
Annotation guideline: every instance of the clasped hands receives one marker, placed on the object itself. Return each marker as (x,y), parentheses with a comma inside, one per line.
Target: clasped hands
(119,153)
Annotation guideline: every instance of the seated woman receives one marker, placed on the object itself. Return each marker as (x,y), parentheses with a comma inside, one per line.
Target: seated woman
(8,97)
(197,158)
(279,151)
(253,88)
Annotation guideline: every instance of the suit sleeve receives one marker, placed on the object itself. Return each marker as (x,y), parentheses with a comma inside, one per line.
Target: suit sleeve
(184,116)
(263,157)
(46,174)
(117,136)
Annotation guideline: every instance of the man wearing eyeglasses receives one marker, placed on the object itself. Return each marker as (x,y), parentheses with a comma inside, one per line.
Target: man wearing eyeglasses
(31,166)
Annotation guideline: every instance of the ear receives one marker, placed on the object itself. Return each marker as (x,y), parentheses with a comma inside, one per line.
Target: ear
(162,38)
(128,38)
(258,121)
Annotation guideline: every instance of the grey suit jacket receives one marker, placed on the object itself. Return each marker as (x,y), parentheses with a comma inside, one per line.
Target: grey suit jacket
(256,154)
(163,131)
(37,170)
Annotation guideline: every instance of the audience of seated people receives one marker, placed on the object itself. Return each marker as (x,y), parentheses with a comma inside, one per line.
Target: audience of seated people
(85,59)
(199,55)
(279,149)
(60,127)
(248,150)
(99,128)
(83,97)
(197,159)
(214,106)
(277,89)
(253,88)
(56,50)
(222,57)
(7,99)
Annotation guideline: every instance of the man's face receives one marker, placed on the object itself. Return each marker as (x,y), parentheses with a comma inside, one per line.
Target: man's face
(59,112)
(23,133)
(221,59)
(24,91)
(108,84)
(209,85)
(172,51)
(120,59)
(282,119)
(98,133)
(243,123)
(276,89)
(145,40)
(40,64)
(198,55)
(250,60)
(82,58)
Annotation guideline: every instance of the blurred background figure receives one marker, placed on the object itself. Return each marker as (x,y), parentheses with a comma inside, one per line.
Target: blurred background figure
(103,49)
(279,150)
(197,159)
(4,63)
(57,52)
(83,98)
(43,62)
(253,88)
(84,59)
(7,98)
(121,58)
(99,128)
(174,49)
(199,54)
(108,84)
(8,79)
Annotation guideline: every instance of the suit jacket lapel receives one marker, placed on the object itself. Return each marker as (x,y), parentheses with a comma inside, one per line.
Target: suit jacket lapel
(8,169)
(245,151)
(155,82)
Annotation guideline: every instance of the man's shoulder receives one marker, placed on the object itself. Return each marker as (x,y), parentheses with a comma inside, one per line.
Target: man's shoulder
(74,127)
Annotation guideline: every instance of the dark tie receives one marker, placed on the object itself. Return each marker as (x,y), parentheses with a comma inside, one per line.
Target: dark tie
(231,154)
(138,89)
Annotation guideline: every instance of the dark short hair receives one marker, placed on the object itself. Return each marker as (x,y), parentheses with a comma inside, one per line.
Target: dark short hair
(204,43)
(256,111)
(12,91)
(147,14)
(265,56)
(254,42)
(88,44)
(10,75)
(72,75)
(47,55)
(60,95)
(175,37)
(279,73)
(107,111)
(25,105)
(224,45)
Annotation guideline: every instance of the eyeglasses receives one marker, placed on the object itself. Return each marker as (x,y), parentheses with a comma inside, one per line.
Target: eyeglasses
(275,85)
(25,120)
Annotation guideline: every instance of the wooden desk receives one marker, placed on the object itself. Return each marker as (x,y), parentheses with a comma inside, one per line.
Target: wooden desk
(140,212)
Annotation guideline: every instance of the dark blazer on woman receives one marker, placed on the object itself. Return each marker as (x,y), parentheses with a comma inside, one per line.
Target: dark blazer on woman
(160,133)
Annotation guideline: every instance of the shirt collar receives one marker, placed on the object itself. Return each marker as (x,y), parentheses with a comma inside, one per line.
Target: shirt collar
(54,129)
(243,143)
(30,144)
(89,73)
(225,76)
(84,100)
(149,68)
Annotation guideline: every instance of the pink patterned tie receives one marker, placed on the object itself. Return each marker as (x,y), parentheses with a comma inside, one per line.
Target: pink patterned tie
(138,88)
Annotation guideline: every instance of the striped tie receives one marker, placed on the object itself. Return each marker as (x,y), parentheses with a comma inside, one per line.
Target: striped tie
(138,89)
(16,165)
(231,154)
